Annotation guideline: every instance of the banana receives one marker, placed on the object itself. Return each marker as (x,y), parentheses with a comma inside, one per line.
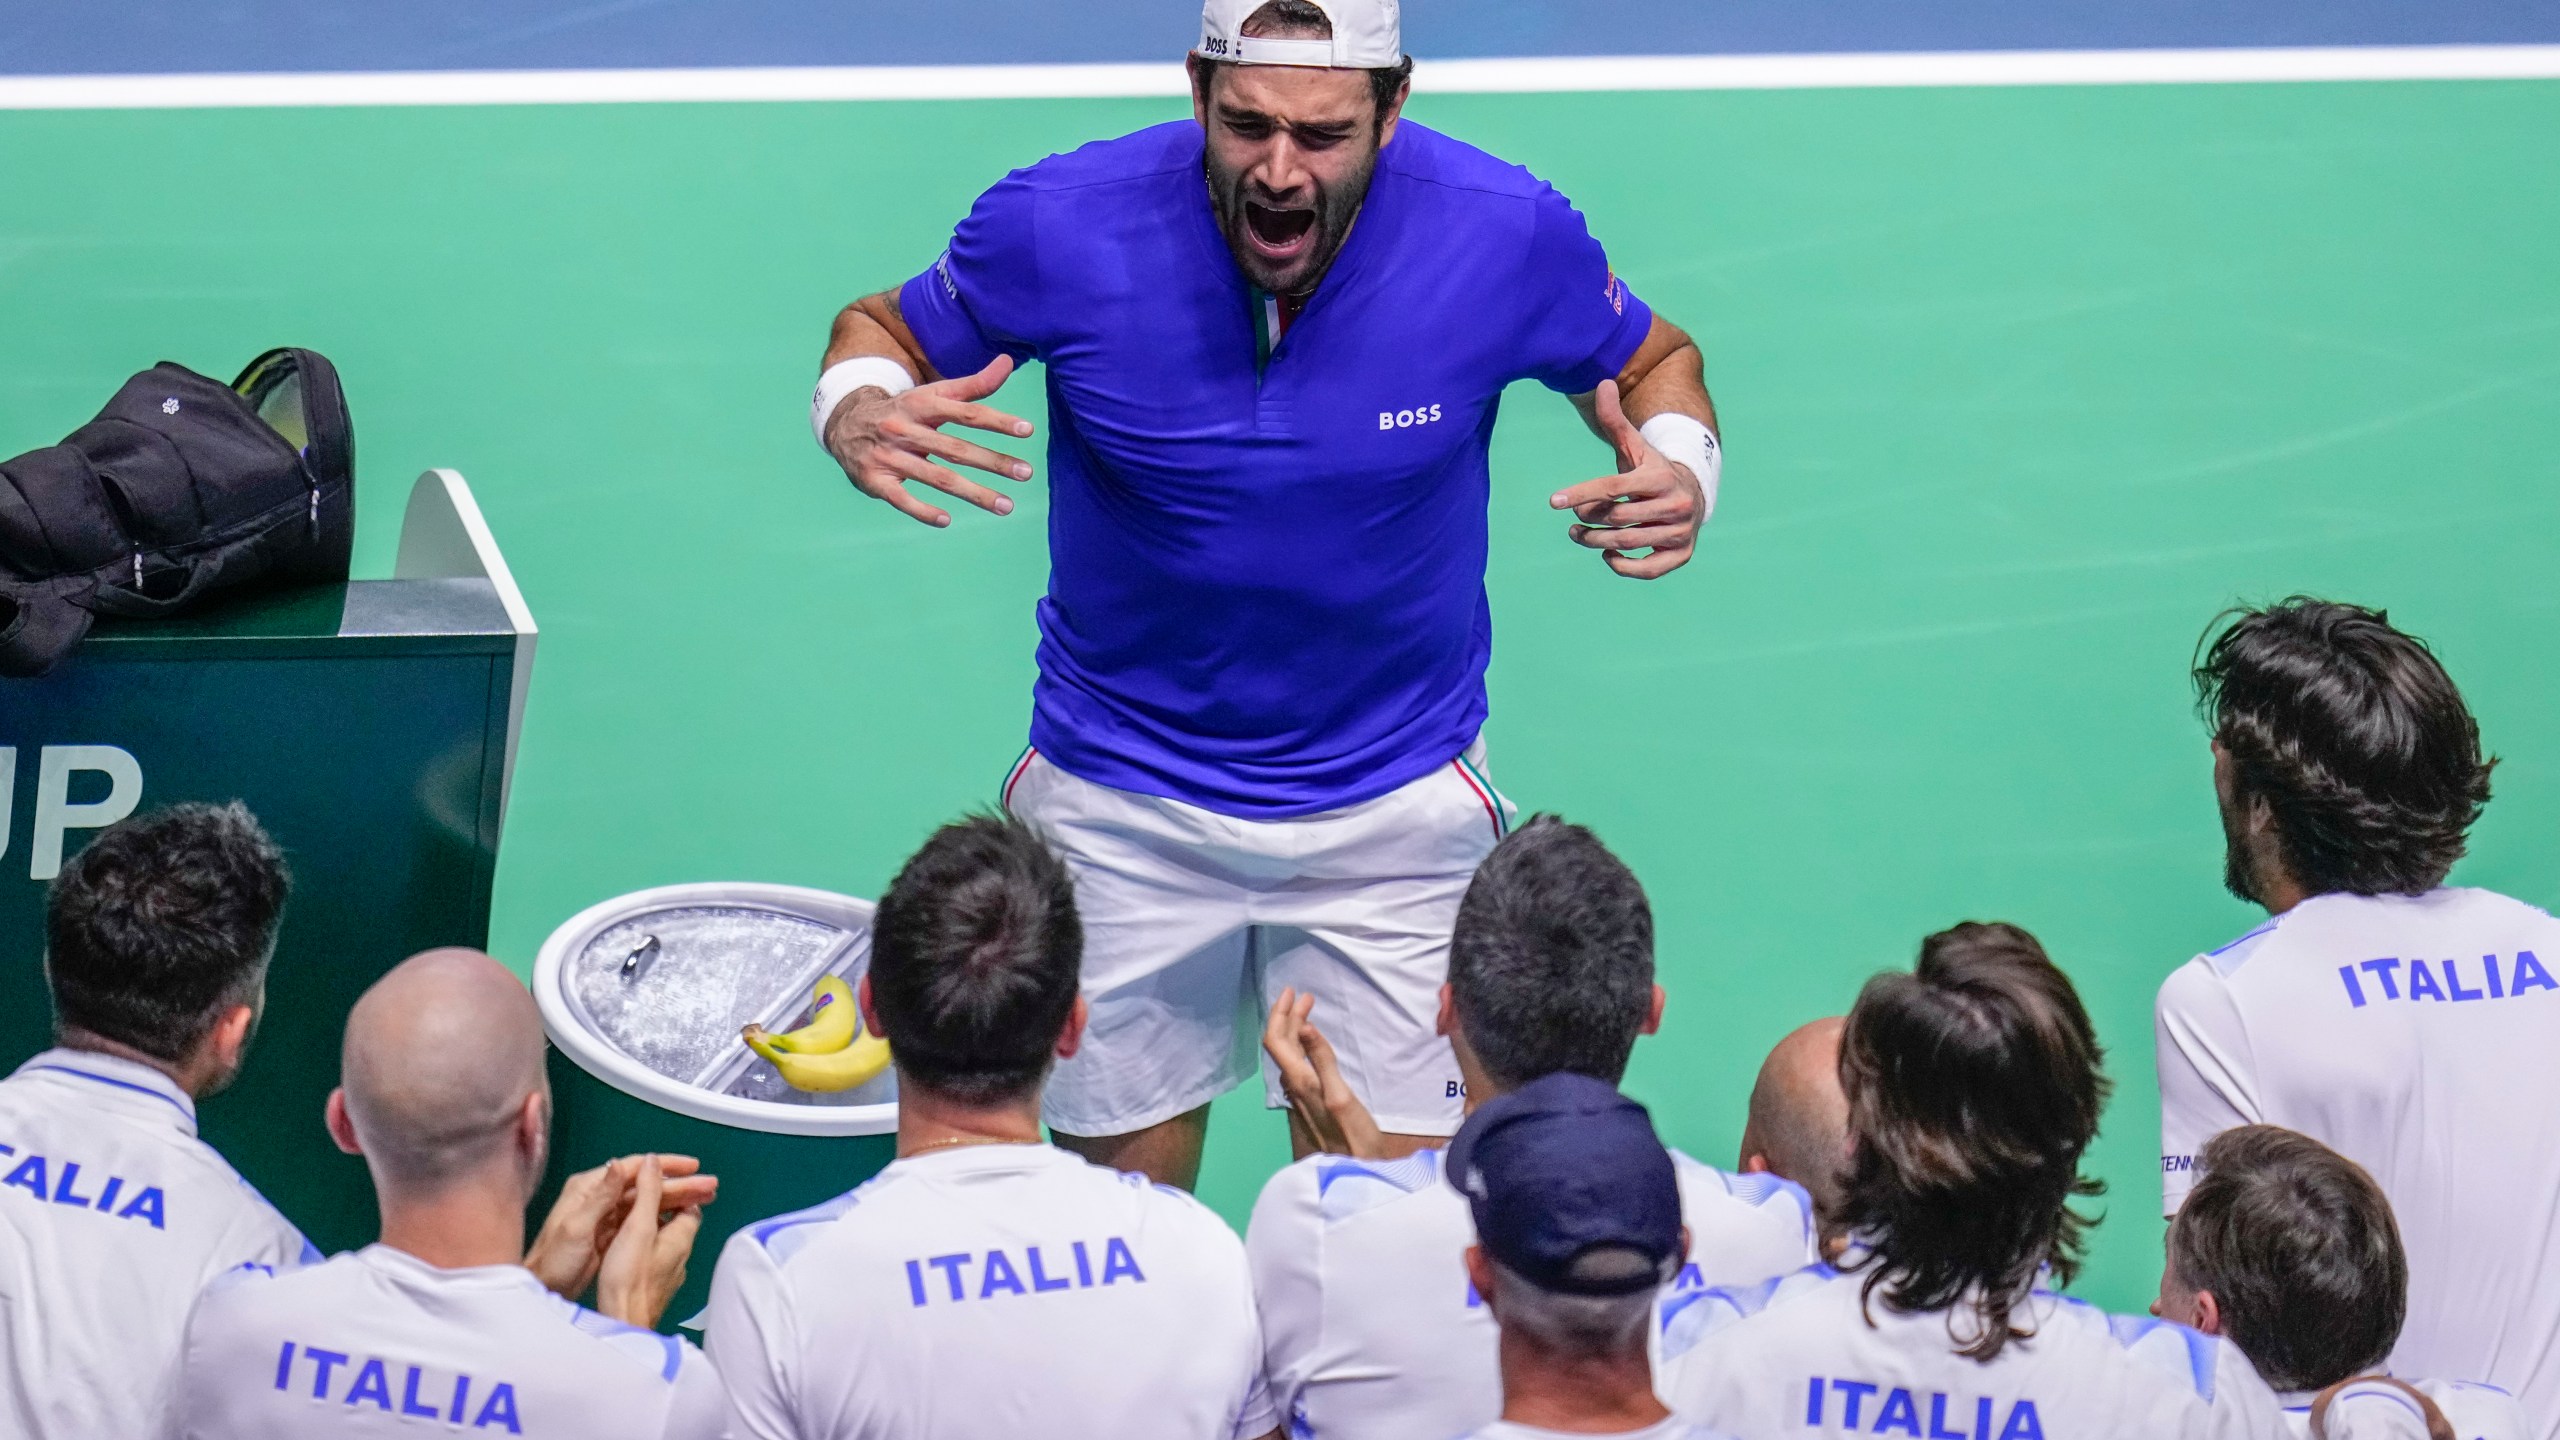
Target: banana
(853,1062)
(834,1018)
(843,1069)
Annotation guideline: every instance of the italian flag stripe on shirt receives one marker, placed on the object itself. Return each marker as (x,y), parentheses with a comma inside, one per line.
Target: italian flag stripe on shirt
(1272,315)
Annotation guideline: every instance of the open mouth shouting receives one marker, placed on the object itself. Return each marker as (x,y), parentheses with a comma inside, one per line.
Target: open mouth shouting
(1279,234)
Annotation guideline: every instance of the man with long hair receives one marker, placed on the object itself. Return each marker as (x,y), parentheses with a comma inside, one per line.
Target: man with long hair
(2407,1024)
(1974,1090)
(1276,335)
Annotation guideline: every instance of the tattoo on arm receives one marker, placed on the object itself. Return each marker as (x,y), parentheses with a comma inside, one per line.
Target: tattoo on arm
(877,325)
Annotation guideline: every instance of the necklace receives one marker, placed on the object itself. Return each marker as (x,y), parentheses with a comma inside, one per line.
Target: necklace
(968,1140)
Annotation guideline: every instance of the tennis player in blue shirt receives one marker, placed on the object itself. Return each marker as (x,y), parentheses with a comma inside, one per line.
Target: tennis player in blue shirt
(1275,336)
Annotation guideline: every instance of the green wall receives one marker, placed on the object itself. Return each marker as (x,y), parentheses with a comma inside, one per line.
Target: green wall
(2020,387)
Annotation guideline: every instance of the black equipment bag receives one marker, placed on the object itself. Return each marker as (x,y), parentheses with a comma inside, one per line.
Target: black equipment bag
(181,489)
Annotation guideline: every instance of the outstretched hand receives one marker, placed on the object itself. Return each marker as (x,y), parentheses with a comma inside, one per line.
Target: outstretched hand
(1323,1111)
(1650,504)
(885,441)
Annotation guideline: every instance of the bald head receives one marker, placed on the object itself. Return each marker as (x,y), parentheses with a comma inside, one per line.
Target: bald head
(441,1055)
(1799,1125)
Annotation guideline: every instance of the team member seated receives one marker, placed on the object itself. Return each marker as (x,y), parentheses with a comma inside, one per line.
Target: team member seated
(2388,1016)
(1369,1328)
(2290,1249)
(113,1214)
(986,1284)
(1577,1217)
(1974,1089)
(1798,1128)
(443,1095)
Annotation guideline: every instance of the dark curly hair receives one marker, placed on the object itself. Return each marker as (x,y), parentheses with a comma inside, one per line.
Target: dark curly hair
(162,923)
(1974,1088)
(2352,735)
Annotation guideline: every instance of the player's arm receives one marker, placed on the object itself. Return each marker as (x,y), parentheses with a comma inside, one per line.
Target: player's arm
(1667,376)
(885,428)
(873,325)
(1657,415)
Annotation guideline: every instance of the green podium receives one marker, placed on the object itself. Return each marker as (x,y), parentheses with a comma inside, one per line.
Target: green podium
(371,726)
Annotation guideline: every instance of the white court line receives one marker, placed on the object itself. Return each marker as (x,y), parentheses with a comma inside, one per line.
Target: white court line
(1561,73)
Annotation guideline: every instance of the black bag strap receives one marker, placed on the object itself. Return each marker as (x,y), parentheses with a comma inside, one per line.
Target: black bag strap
(296,392)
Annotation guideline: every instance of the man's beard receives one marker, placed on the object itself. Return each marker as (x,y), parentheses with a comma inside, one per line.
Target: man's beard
(216,1084)
(2239,874)
(1235,202)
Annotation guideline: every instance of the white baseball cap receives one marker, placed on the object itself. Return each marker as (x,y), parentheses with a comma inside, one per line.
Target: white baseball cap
(1367,35)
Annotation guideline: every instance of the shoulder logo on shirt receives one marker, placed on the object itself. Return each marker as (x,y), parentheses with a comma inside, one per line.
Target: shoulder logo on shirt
(2391,978)
(1407,419)
(1863,1405)
(139,1202)
(1616,292)
(424,1394)
(999,1272)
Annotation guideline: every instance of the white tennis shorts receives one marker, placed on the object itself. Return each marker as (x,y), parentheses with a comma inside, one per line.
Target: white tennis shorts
(1195,921)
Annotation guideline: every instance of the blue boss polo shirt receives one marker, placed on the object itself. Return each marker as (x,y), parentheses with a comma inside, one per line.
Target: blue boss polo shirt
(1266,589)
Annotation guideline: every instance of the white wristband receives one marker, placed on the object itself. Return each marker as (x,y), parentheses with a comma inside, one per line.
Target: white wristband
(1685,440)
(862,372)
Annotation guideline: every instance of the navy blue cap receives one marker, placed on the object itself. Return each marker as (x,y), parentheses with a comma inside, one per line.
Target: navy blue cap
(1562,1166)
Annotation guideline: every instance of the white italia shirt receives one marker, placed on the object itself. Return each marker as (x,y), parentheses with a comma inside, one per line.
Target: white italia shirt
(112,1216)
(2419,1036)
(2369,1411)
(1370,1328)
(1806,1355)
(379,1342)
(991,1290)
